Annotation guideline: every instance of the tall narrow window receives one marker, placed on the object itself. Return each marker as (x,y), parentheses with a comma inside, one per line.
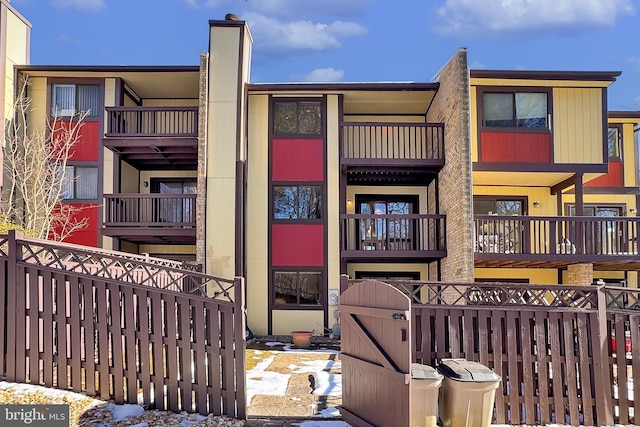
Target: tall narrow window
(614,144)
(297,288)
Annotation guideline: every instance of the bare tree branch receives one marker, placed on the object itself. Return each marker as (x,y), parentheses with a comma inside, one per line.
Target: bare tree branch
(34,167)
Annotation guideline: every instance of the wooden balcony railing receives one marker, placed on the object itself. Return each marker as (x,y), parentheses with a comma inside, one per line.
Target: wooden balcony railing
(585,236)
(367,236)
(393,144)
(150,210)
(152,121)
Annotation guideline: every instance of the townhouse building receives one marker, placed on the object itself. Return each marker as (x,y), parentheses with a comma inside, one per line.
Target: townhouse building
(478,175)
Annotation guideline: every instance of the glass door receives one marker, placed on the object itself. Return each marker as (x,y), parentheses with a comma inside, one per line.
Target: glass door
(389,231)
(175,209)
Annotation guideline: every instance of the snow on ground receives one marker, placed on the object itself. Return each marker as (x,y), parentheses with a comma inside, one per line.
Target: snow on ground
(260,381)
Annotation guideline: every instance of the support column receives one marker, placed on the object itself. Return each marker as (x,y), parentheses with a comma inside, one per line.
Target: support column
(580,274)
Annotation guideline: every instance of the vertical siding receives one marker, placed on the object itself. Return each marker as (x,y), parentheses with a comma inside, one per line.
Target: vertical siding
(577,125)
(629,156)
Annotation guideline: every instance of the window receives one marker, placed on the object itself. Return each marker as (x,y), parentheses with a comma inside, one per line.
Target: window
(515,109)
(297,202)
(297,287)
(175,209)
(384,228)
(297,118)
(68,100)
(80,182)
(490,206)
(615,143)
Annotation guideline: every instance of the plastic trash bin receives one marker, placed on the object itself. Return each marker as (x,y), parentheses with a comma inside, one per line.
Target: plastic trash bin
(425,385)
(468,393)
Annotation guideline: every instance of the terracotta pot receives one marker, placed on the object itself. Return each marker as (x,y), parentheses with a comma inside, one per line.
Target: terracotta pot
(301,339)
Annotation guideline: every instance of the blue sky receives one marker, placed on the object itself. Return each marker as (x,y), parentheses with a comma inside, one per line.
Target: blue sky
(351,40)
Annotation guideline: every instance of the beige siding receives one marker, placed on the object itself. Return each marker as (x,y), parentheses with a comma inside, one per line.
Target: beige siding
(16,34)
(129,178)
(257,214)
(333,194)
(168,249)
(286,321)
(577,125)
(423,269)
(170,102)
(473,119)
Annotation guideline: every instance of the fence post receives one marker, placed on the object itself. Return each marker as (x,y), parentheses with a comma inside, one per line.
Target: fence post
(604,404)
(14,254)
(344,282)
(240,346)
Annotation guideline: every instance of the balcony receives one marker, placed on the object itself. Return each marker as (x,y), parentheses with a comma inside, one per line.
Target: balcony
(610,243)
(388,238)
(392,147)
(151,218)
(153,137)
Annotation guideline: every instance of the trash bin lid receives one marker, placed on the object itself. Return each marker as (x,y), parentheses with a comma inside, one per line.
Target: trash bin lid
(465,370)
(424,372)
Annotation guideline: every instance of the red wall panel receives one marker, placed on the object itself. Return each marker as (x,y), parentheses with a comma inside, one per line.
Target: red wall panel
(611,179)
(297,160)
(515,147)
(297,245)
(89,235)
(88,143)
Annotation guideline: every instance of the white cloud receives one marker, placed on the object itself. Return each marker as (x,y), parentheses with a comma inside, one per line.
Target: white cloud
(322,75)
(68,39)
(86,5)
(296,9)
(191,3)
(477,65)
(286,38)
(492,18)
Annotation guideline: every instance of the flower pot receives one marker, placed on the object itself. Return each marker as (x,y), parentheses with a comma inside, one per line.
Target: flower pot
(301,339)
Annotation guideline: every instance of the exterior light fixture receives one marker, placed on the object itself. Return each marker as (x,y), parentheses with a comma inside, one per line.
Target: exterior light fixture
(536,204)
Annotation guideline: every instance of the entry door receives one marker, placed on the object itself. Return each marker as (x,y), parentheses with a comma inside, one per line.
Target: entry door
(175,209)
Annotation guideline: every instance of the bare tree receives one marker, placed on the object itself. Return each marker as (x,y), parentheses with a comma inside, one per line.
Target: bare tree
(35,177)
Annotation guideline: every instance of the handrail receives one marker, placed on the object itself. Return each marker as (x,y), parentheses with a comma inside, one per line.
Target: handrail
(154,210)
(411,143)
(166,121)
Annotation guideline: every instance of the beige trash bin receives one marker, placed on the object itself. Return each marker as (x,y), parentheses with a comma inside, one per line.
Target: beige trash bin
(467,394)
(425,385)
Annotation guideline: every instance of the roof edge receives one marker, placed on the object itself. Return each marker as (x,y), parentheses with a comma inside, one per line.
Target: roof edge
(631,114)
(362,86)
(109,68)
(607,76)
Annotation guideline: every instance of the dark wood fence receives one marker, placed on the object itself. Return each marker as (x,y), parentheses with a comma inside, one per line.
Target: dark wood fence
(566,354)
(411,144)
(152,121)
(121,328)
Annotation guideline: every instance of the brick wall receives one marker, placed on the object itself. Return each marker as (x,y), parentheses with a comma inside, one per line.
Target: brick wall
(201,194)
(580,274)
(451,107)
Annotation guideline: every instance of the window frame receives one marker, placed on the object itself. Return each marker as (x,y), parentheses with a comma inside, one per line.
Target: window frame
(298,184)
(513,90)
(297,306)
(74,199)
(99,83)
(524,200)
(618,127)
(298,101)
